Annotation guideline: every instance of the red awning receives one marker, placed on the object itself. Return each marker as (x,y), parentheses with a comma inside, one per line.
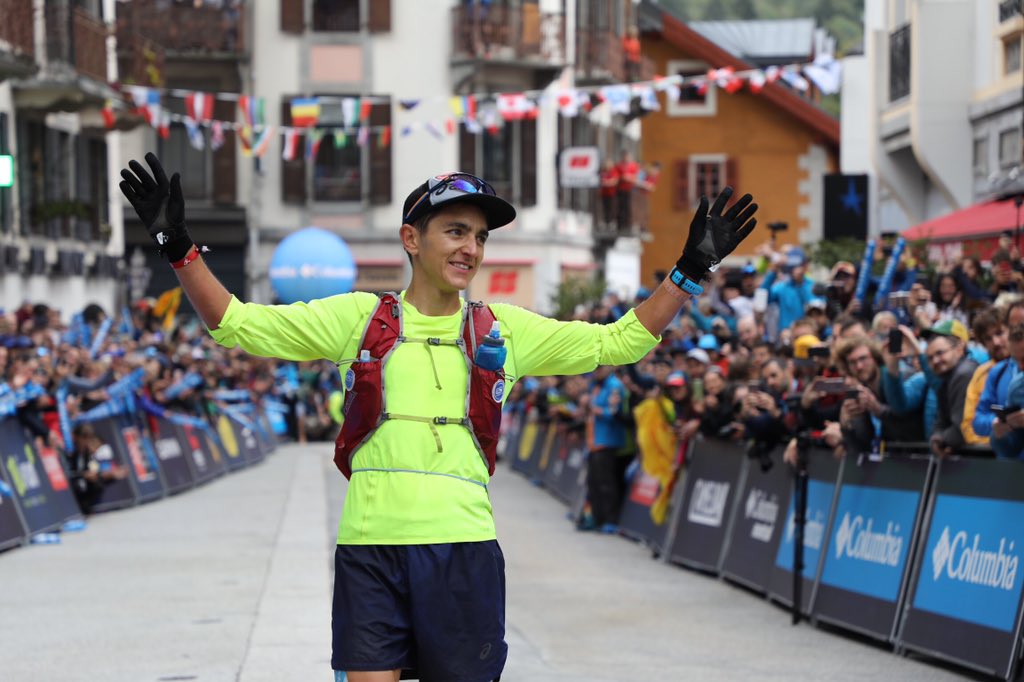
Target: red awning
(980,220)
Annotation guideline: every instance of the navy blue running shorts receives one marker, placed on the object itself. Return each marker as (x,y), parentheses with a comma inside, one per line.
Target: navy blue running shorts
(438,610)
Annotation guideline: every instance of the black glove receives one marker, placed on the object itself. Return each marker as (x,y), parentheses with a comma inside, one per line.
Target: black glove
(713,236)
(159,205)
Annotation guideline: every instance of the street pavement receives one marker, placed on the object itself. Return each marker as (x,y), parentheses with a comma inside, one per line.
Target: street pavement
(232,581)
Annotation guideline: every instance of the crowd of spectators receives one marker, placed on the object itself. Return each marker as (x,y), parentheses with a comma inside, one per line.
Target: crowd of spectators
(182,370)
(769,353)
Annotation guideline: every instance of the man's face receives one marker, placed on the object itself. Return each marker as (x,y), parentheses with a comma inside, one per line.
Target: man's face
(862,365)
(997,343)
(1016,317)
(1017,352)
(746,329)
(449,251)
(775,377)
(760,356)
(943,354)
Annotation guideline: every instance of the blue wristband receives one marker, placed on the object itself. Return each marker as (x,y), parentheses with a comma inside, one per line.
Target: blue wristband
(684,283)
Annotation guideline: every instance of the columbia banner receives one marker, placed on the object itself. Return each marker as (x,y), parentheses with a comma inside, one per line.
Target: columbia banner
(759,523)
(966,598)
(12,530)
(41,506)
(712,480)
(823,474)
(867,558)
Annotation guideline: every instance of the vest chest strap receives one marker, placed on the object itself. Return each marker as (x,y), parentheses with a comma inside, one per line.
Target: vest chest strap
(432,422)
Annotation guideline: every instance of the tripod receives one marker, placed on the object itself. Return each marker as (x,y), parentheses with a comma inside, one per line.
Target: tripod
(799,523)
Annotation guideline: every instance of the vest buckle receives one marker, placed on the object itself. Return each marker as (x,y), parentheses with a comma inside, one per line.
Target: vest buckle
(434,341)
(441,420)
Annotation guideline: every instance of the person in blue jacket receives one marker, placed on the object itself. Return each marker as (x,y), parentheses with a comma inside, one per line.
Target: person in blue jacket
(793,293)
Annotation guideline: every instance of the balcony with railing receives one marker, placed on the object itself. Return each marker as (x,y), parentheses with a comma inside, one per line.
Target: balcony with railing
(17,45)
(184,28)
(508,34)
(77,39)
(899,63)
(600,58)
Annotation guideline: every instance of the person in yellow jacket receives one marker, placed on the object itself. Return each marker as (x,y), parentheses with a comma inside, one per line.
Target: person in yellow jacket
(419,576)
(991,332)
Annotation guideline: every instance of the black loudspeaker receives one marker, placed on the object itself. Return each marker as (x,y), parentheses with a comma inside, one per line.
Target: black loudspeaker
(846,206)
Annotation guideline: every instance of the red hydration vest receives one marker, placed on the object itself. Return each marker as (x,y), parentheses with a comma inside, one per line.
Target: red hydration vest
(365,406)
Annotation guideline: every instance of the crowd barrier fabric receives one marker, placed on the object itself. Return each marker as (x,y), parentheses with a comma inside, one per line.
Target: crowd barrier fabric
(648,505)
(823,474)
(123,492)
(871,544)
(247,437)
(176,464)
(531,439)
(141,458)
(567,463)
(711,484)
(41,492)
(965,604)
(12,528)
(230,443)
(759,523)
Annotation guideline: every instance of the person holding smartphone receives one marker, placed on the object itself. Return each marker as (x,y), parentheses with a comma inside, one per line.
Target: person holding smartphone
(1004,420)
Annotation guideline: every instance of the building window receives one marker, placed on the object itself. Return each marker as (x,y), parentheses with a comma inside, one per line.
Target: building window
(1009,148)
(980,161)
(691,101)
(177,152)
(337,173)
(899,63)
(498,160)
(336,15)
(708,177)
(506,158)
(1012,54)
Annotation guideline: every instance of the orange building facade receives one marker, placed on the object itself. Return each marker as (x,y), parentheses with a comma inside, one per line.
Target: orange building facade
(773,144)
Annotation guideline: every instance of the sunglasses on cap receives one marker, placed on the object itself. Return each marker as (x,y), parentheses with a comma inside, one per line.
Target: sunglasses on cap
(442,188)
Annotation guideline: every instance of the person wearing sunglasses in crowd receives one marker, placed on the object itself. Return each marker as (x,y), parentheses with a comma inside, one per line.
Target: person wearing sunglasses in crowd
(419,576)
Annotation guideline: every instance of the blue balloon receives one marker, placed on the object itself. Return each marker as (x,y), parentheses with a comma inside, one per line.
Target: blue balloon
(311,263)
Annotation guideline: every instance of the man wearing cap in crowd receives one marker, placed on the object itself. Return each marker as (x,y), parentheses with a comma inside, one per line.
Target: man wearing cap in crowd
(419,576)
(948,361)
(792,293)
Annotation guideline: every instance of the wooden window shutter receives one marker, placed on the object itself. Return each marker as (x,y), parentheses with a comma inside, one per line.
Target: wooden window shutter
(225,174)
(467,151)
(293,173)
(528,163)
(380,155)
(293,19)
(681,185)
(732,176)
(380,16)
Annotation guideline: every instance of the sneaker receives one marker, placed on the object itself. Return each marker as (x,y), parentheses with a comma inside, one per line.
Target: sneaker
(610,529)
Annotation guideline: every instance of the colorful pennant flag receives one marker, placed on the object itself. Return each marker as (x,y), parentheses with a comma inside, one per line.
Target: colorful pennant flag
(199,106)
(262,142)
(147,102)
(385,137)
(290,144)
(164,126)
(305,112)
(109,118)
(216,135)
(313,143)
(195,134)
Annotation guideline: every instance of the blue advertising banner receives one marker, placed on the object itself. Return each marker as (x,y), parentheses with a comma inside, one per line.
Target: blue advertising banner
(33,493)
(141,460)
(823,474)
(754,540)
(12,530)
(970,571)
(234,450)
(966,601)
(867,561)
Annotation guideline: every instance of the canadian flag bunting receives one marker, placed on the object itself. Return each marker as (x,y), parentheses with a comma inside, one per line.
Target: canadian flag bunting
(199,106)
(516,106)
